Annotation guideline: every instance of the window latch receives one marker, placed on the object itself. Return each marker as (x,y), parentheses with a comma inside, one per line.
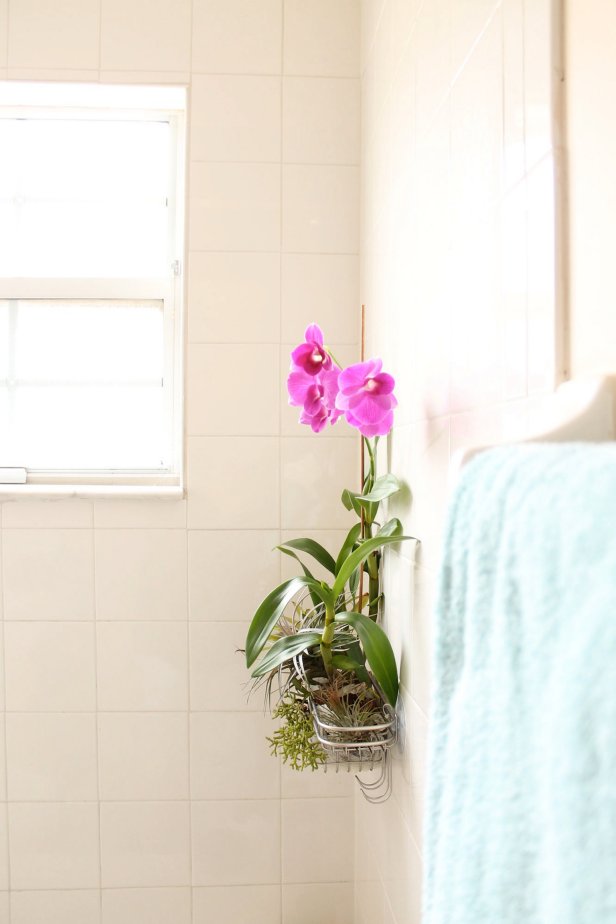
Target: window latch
(13,475)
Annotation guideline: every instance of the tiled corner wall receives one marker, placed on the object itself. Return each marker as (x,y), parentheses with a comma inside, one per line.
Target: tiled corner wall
(135,783)
(591,144)
(458,275)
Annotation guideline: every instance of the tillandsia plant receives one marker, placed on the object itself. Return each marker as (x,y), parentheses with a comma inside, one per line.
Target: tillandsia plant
(317,643)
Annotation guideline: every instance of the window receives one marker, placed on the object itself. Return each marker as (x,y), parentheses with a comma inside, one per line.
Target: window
(91,221)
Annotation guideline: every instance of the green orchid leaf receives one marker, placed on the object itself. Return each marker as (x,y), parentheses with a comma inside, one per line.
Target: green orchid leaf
(393,527)
(353,501)
(315,549)
(308,573)
(271,609)
(383,487)
(378,650)
(347,546)
(344,663)
(349,500)
(284,650)
(360,555)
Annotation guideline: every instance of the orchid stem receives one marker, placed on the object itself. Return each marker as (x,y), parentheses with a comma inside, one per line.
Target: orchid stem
(337,361)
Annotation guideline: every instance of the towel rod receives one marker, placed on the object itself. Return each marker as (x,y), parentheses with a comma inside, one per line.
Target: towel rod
(581,410)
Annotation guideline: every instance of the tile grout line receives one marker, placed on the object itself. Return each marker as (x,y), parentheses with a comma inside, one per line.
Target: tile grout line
(189,114)
(96,723)
(6,761)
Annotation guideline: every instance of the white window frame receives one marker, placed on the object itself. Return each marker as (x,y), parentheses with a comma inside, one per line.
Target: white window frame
(108,103)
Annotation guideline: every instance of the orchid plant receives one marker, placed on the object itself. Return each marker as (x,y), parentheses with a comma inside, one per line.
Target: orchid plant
(347,662)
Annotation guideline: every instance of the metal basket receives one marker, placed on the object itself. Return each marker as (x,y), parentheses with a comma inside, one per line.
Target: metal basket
(358,748)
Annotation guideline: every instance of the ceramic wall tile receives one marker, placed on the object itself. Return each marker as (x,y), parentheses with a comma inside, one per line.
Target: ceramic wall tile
(219,680)
(56,907)
(51,758)
(140,574)
(231,757)
(156,906)
(4,19)
(216,466)
(236,843)
(322,288)
(259,904)
(54,845)
(234,298)
(321,121)
(141,513)
(234,206)
(237,36)
(143,756)
(300,862)
(236,368)
(304,904)
(321,38)
(213,557)
(64,565)
(63,36)
(51,514)
(311,485)
(142,666)
(145,844)
(140,36)
(235,118)
(49,667)
(320,209)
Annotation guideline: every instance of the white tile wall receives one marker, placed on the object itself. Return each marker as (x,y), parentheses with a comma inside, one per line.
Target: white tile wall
(139,36)
(236,842)
(145,844)
(54,845)
(591,146)
(51,757)
(259,904)
(235,206)
(234,298)
(156,906)
(140,784)
(56,907)
(63,35)
(236,118)
(237,36)
(468,332)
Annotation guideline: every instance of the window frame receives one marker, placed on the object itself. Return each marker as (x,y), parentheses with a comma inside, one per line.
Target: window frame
(169,289)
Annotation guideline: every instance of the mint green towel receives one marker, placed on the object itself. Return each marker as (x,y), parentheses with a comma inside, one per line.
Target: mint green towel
(521,815)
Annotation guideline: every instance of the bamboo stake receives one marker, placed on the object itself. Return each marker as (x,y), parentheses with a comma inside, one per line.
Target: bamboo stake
(362,461)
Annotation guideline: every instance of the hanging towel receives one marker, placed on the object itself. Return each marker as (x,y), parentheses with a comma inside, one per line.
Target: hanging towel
(521,815)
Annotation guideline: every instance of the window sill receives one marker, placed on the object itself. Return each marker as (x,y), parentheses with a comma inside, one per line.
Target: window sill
(115,491)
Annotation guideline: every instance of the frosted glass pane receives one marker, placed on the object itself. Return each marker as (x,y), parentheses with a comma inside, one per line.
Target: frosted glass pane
(87,387)
(86,341)
(94,160)
(84,198)
(91,239)
(89,428)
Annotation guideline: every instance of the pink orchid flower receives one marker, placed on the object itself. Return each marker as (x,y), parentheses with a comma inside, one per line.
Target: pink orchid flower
(366,397)
(316,395)
(311,356)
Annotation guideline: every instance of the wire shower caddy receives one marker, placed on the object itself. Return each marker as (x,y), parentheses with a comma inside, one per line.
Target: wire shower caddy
(358,749)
